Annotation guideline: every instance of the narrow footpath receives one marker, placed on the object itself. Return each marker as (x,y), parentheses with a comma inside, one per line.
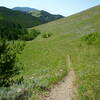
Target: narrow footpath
(65,90)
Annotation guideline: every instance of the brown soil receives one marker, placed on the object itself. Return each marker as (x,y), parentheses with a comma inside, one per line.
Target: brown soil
(64,90)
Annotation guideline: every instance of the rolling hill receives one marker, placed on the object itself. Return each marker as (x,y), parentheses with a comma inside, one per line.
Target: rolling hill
(83,22)
(44,16)
(26,19)
(24,9)
(19,17)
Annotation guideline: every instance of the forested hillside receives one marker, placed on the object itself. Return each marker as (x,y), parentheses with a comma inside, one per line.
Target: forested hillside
(22,18)
(27,19)
(44,16)
(11,31)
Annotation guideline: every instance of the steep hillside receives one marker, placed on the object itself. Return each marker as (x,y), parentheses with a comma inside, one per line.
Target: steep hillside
(83,22)
(23,18)
(24,9)
(44,16)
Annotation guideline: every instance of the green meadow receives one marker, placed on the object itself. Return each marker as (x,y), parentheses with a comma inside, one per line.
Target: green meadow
(45,59)
(46,62)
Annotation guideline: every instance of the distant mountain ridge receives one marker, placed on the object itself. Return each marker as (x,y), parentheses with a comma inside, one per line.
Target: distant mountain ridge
(45,16)
(24,9)
(23,18)
(28,17)
(42,15)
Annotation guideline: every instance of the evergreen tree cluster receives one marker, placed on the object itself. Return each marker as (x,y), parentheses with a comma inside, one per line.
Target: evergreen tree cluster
(9,66)
(32,34)
(11,31)
(14,31)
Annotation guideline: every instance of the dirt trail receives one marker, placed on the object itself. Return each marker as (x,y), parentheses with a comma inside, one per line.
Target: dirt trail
(64,90)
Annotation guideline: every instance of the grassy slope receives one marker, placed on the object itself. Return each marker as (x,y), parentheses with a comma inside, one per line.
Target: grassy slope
(83,22)
(86,64)
(46,59)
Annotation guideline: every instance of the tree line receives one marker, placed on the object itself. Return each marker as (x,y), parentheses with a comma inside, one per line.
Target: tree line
(15,31)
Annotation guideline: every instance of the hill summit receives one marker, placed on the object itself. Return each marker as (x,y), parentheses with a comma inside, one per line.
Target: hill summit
(24,9)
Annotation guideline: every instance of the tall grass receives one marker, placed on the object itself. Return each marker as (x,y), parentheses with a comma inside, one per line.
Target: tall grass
(86,59)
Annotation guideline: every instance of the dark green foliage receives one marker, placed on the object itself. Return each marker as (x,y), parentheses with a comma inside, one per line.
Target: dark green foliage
(8,66)
(31,35)
(11,31)
(25,19)
(92,38)
(35,33)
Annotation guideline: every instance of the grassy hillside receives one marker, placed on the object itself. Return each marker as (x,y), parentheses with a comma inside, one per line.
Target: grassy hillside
(83,22)
(46,59)
(46,62)
(85,55)
(19,17)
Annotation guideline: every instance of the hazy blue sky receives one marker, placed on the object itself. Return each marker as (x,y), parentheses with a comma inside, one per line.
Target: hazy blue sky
(64,7)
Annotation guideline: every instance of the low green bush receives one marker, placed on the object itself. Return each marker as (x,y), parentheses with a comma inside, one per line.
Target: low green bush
(92,38)
(46,35)
(31,35)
